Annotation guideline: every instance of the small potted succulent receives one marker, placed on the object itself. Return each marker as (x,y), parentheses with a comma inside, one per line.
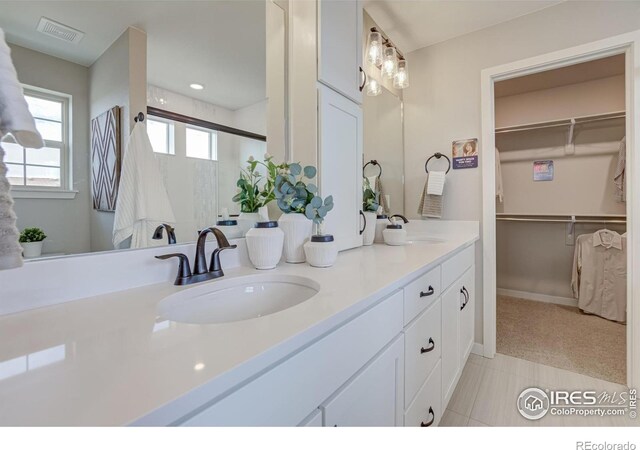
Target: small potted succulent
(321,250)
(293,195)
(31,240)
(255,190)
(370,206)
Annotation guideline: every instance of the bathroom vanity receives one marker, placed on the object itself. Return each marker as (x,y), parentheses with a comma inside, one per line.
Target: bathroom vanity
(382,342)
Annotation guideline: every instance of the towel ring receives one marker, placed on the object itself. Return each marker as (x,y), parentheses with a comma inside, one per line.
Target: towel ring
(373,162)
(437,156)
(139,117)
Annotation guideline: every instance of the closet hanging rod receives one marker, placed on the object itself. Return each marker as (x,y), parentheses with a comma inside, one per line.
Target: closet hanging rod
(605,219)
(563,123)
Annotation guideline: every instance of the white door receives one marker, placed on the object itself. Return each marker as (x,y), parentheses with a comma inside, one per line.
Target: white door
(340,159)
(451,302)
(467,314)
(375,397)
(340,46)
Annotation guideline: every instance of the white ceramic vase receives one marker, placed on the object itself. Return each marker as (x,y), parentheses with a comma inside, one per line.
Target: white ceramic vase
(246,221)
(32,249)
(321,251)
(370,227)
(297,230)
(264,245)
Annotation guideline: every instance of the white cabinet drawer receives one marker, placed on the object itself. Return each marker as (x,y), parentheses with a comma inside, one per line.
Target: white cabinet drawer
(284,395)
(426,409)
(421,293)
(422,349)
(374,397)
(455,266)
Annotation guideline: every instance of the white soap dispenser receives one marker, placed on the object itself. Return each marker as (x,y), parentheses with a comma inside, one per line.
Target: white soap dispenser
(394,233)
(265,242)
(382,220)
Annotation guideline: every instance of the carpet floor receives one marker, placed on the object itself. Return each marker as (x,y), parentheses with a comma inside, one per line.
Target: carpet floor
(562,336)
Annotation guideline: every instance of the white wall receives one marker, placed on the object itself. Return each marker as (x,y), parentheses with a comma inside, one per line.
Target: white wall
(118,77)
(443,102)
(54,216)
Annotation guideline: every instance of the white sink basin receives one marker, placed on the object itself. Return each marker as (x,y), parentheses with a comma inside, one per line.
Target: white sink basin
(235,299)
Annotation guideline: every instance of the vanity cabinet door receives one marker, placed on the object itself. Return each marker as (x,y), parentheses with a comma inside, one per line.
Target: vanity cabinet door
(451,302)
(340,46)
(340,163)
(467,314)
(374,396)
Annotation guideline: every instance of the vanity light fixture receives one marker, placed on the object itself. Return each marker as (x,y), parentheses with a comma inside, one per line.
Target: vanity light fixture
(401,78)
(373,88)
(196,86)
(389,63)
(383,54)
(374,48)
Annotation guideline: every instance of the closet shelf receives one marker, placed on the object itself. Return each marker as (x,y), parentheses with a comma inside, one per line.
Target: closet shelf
(562,122)
(605,219)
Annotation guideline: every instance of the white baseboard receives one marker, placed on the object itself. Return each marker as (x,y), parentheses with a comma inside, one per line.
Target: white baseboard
(477,349)
(566,301)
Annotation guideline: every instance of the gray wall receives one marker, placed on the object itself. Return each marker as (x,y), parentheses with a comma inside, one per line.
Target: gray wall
(118,77)
(66,222)
(443,102)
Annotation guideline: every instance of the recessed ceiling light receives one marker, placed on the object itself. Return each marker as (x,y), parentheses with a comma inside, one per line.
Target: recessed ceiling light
(198,366)
(196,86)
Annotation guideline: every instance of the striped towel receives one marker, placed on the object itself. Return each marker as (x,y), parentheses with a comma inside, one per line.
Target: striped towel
(430,205)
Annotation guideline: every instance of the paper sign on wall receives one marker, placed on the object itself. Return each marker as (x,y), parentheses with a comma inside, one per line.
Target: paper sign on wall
(465,154)
(543,170)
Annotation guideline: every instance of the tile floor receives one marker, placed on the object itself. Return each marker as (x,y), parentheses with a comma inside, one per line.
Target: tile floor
(488,389)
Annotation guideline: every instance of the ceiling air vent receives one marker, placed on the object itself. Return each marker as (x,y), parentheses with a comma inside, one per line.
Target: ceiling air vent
(59,31)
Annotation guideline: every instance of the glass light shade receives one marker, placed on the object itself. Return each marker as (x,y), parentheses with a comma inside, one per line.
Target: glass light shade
(373,88)
(389,63)
(374,48)
(401,78)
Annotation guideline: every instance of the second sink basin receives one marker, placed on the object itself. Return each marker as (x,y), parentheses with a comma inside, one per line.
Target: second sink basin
(235,299)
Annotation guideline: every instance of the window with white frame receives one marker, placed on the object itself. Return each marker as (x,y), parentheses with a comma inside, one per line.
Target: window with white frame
(161,135)
(201,143)
(47,167)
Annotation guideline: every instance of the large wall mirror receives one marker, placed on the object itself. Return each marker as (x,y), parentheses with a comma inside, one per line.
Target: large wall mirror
(208,76)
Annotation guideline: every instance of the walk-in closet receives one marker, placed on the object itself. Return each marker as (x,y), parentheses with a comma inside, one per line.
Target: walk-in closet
(561,218)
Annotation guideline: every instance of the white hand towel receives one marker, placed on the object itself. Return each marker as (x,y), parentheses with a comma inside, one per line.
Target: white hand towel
(143,202)
(16,119)
(435,183)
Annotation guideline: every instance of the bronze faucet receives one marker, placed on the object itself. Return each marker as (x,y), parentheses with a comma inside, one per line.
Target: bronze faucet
(201,272)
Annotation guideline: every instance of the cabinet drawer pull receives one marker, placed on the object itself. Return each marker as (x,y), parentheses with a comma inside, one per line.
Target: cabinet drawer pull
(364,79)
(464,292)
(430,422)
(432,345)
(429,292)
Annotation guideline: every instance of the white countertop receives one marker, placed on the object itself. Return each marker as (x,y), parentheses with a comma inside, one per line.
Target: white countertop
(109,359)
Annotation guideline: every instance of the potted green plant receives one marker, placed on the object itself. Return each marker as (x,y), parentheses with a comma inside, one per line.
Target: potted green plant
(293,194)
(370,206)
(31,240)
(321,250)
(255,190)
